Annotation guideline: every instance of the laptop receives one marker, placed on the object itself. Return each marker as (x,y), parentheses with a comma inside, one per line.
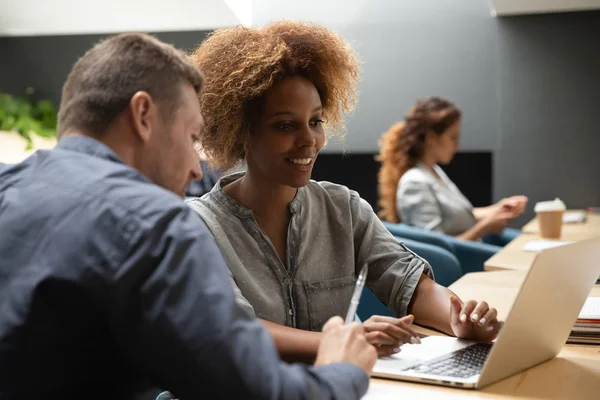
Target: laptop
(536,329)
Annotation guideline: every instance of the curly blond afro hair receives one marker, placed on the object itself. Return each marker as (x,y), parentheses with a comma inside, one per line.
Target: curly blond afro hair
(240,64)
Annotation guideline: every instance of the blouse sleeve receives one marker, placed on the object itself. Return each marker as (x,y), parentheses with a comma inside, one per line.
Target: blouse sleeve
(394,270)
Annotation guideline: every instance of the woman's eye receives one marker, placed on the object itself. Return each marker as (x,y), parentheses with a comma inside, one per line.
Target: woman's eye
(284,126)
(316,122)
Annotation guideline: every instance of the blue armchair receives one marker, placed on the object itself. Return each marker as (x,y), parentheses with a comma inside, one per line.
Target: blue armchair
(503,238)
(446,269)
(471,255)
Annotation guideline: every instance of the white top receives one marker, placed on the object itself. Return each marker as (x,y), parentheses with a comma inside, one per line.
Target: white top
(433,202)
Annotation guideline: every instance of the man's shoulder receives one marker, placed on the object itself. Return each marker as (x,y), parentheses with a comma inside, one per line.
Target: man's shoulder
(71,179)
(120,185)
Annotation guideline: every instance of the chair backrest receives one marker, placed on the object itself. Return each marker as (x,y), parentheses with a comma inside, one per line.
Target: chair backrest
(420,235)
(446,269)
(502,239)
(445,265)
(471,255)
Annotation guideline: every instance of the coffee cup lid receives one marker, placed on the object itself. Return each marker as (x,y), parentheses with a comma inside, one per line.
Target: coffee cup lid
(552,205)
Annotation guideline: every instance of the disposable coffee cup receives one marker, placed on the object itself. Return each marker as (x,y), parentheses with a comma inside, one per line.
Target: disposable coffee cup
(550,217)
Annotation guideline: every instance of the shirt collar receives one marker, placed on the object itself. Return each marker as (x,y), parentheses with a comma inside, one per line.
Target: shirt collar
(239,210)
(88,145)
(421,165)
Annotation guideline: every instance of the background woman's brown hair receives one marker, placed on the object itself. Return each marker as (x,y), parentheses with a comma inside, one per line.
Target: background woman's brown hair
(402,146)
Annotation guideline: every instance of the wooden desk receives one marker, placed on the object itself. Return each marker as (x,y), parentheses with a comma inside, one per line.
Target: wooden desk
(513,257)
(592,224)
(574,374)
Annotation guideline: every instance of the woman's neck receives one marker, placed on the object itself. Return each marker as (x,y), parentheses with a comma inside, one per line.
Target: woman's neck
(428,160)
(263,197)
(430,163)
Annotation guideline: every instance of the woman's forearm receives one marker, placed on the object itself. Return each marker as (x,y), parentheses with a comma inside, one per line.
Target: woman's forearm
(476,232)
(430,305)
(481,212)
(294,345)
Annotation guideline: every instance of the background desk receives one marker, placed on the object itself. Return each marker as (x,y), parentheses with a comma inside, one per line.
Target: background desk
(574,374)
(591,224)
(513,257)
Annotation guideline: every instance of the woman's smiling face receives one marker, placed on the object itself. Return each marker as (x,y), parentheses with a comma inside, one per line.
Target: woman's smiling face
(288,134)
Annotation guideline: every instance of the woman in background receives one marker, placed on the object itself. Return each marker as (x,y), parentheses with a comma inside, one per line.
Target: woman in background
(414,189)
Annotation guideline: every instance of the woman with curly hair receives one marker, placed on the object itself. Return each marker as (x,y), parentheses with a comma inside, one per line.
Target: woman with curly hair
(413,187)
(294,246)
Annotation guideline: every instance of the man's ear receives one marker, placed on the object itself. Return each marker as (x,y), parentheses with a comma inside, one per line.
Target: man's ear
(143,114)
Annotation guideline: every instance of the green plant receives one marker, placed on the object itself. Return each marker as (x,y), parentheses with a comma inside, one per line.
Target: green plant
(25,116)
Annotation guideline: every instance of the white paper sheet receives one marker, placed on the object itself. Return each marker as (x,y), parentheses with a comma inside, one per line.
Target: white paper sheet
(574,217)
(591,309)
(540,245)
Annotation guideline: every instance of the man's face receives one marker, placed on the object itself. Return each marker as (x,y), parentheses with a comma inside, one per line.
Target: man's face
(173,146)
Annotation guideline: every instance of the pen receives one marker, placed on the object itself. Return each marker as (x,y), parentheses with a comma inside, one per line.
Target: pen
(360,284)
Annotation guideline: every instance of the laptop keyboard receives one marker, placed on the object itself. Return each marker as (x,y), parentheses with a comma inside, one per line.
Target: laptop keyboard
(462,363)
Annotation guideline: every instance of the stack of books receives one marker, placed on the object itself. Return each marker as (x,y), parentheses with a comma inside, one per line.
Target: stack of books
(587,326)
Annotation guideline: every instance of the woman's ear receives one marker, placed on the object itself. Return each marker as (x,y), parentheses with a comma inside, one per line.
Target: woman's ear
(431,139)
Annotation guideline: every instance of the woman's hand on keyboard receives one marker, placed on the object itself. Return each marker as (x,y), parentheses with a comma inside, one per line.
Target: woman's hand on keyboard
(474,320)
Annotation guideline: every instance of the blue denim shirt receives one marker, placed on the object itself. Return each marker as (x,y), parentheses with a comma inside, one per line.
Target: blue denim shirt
(110,285)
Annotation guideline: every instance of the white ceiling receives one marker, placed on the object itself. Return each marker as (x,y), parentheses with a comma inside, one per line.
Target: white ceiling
(64,17)
(516,7)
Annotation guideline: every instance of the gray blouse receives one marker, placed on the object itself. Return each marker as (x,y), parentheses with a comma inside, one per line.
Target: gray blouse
(332,233)
(426,201)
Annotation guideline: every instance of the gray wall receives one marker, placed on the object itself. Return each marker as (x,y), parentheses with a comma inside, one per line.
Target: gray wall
(44,62)
(529,86)
(549,86)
